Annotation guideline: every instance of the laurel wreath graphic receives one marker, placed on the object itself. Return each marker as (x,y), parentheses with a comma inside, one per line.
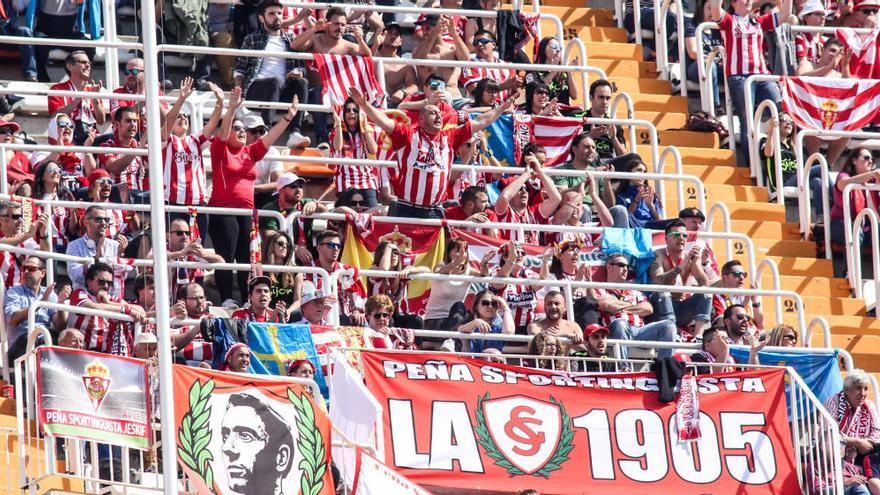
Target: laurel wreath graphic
(194,435)
(310,443)
(553,464)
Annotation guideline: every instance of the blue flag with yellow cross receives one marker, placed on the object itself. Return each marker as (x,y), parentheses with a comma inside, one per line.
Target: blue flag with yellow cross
(275,345)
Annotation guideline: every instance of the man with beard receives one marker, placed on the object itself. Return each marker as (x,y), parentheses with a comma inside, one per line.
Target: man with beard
(128,171)
(12,232)
(182,246)
(734,276)
(738,324)
(20,298)
(86,113)
(424,155)
(595,346)
(257,446)
(290,199)
(326,37)
(400,79)
(554,322)
(188,341)
(268,78)
(95,244)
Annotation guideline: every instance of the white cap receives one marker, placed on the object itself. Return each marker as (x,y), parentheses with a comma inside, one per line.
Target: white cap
(252,121)
(145,338)
(811,6)
(287,179)
(310,293)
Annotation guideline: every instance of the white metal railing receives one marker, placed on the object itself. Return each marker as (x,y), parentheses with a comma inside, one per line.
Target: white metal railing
(805,197)
(569,285)
(777,149)
(822,323)
(721,209)
(706,96)
(852,247)
(661,38)
(750,138)
(747,247)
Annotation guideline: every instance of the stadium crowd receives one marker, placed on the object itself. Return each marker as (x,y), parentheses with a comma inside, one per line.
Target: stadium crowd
(443,120)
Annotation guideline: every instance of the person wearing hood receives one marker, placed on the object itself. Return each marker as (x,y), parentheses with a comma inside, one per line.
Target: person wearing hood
(75,167)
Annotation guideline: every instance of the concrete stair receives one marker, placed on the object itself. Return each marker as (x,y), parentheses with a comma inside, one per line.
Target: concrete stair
(751,212)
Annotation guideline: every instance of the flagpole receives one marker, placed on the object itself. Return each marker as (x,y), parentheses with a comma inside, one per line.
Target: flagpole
(160,258)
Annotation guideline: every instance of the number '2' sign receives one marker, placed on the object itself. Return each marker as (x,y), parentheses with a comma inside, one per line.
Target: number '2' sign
(463,423)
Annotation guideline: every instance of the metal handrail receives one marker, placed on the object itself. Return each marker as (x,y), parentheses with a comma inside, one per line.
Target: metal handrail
(826,333)
(769,264)
(630,113)
(805,196)
(722,209)
(856,251)
(679,169)
(777,147)
(853,258)
(750,137)
(706,96)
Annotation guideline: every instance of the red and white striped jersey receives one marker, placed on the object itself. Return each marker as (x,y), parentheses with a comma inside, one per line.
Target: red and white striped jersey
(10,265)
(60,217)
(631,296)
(471,75)
(184,170)
(85,112)
(863,64)
(743,39)
(198,349)
(96,329)
(521,299)
(530,215)
(807,45)
(350,291)
(291,12)
(424,161)
(249,315)
(135,176)
(353,146)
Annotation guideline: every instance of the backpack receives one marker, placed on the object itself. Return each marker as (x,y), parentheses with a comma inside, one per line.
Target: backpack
(703,122)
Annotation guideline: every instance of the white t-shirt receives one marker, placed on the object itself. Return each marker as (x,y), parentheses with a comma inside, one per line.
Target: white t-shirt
(273,67)
(267,166)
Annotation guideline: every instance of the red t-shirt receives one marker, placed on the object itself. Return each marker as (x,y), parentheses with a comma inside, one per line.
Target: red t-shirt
(19,168)
(457,213)
(234,173)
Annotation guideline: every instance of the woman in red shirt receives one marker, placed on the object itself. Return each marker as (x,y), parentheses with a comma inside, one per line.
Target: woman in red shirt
(232,186)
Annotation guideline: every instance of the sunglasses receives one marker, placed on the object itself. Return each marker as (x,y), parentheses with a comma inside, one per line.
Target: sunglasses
(257,130)
(64,124)
(358,202)
(618,264)
(238,128)
(554,46)
(181,233)
(381,316)
(870,158)
(437,85)
(350,110)
(6,131)
(742,275)
(741,317)
(82,62)
(489,303)
(869,11)
(283,244)
(133,72)
(30,268)
(104,182)
(103,282)
(790,337)
(541,92)
(101,219)
(53,170)
(13,217)
(483,41)
(332,245)
(680,235)
(786,122)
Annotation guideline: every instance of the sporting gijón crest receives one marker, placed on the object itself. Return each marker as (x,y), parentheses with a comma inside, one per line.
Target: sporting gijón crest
(523,435)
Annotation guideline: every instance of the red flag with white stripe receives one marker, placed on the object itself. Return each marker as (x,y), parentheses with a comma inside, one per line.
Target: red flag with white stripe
(553,133)
(341,72)
(831,104)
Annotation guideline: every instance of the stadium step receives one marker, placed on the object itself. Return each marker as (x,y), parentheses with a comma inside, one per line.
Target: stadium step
(759,229)
(680,138)
(725,175)
(661,120)
(717,192)
(804,267)
(622,68)
(705,157)
(808,286)
(588,33)
(581,17)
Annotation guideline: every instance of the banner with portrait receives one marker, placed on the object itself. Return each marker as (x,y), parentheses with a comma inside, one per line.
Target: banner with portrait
(237,434)
(94,396)
(461,423)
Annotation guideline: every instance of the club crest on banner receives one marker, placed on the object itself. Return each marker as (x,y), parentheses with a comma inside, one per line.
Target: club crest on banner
(96,382)
(523,435)
(399,239)
(829,113)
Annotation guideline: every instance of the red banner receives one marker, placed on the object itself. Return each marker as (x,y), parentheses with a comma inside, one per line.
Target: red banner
(463,423)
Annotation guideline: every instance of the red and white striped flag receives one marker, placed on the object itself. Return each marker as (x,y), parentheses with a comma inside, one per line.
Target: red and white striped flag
(553,133)
(340,72)
(831,104)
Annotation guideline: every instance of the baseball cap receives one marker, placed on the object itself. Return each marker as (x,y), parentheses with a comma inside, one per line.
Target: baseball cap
(262,279)
(866,4)
(692,213)
(810,7)
(393,25)
(429,19)
(15,127)
(146,338)
(289,178)
(310,293)
(296,364)
(594,328)
(98,174)
(253,121)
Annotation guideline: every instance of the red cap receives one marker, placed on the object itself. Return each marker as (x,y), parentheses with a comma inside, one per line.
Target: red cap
(296,364)
(594,328)
(98,173)
(866,4)
(232,349)
(15,126)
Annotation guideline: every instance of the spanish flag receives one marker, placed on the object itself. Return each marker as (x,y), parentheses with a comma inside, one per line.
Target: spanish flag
(419,246)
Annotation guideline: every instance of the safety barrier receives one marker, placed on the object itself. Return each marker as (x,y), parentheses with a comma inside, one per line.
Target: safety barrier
(853,241)
(568,285)
(805,197)
(706,96)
